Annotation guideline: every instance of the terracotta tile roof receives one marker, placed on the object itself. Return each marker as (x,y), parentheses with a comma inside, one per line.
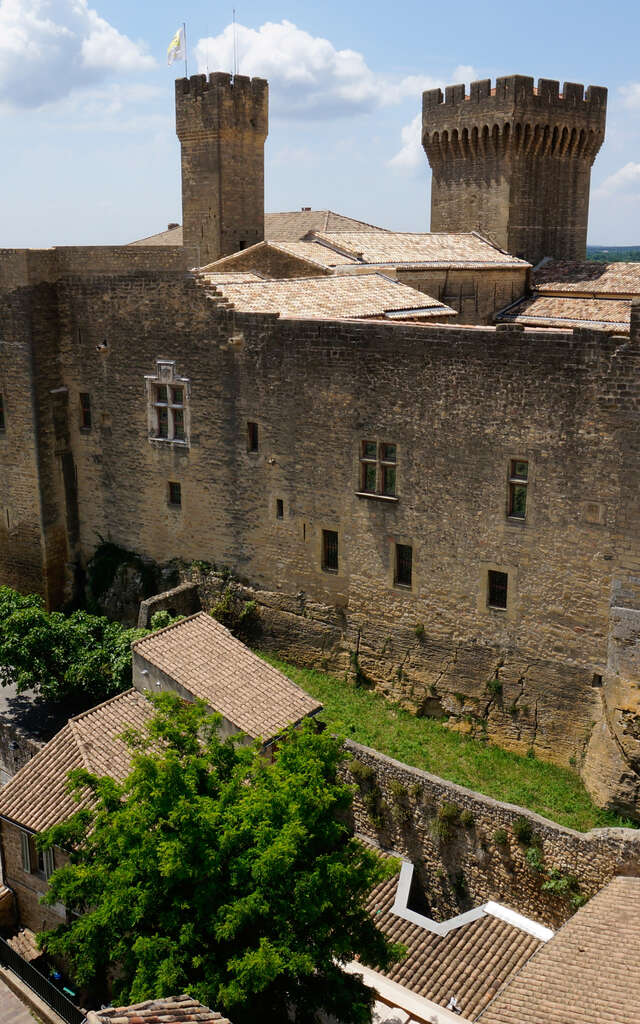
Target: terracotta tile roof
(207,661)
(172,236)
(471,962)
(435,249)
(589,973)
(36,797)
(587,277)
(171,1010)
(568,311)
(24,943)
(314,252)
(232,276)
(291,227)
(364,295)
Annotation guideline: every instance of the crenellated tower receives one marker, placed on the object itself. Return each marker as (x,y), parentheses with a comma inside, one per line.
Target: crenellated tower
(514,162)
(222,123)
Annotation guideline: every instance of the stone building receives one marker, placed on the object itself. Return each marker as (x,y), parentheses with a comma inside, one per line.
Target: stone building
(514,162)
(449,508)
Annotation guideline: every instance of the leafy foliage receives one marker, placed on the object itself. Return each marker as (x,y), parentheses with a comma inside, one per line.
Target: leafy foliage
(80,658)
(240,617)
(213,871)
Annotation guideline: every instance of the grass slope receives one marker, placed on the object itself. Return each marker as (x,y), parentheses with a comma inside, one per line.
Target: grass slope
(368,718)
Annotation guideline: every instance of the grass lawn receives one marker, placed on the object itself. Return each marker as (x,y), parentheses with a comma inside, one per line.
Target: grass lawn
(369,718)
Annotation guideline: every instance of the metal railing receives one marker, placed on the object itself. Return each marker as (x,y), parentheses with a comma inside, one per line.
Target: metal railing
(37,982)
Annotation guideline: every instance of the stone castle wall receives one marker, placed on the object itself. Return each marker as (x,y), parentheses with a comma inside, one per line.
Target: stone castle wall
(459,404)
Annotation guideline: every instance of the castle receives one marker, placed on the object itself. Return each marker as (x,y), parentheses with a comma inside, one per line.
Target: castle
(447,503)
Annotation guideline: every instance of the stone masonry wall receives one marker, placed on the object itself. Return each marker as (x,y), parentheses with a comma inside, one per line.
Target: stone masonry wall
(28,888)
(458,403)
(465,864)
(477,295)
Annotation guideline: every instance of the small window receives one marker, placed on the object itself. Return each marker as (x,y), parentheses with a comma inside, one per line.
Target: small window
(378,468)
(252,437)
(404,565)
(175,493)
(2,419)
(279,508)
(25,850)
(85,411)
(330,550)
(497,589)
(518,481)
(49,863)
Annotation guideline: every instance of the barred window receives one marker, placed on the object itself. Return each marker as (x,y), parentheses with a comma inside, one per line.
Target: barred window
(404,565)
(330,550)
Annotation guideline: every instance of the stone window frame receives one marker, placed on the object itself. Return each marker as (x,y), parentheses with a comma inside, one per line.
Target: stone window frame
(31,856)
(3,414)
(382,465)
(166,376)
(324,528)
(511,571)
(514,480)
(402,541)
(253,437)
(174,489)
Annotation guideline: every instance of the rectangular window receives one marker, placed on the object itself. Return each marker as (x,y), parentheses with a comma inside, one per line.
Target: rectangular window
(175,493)
(252,437)
(404,565)
(378,468)
(49,863)
(25,850)
(330,550)
(168,404)
(497,589)
(85,411)
(2,419)
(518,480)
(279,508)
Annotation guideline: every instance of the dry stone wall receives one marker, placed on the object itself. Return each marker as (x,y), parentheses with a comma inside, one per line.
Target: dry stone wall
(474,855)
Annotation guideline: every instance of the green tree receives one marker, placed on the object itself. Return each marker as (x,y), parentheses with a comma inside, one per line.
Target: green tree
(80,659)
(213,871)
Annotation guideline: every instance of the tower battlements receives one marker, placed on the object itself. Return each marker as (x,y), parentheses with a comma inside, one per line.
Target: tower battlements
(222,122)
(221,102)
(521,89)
(514,161)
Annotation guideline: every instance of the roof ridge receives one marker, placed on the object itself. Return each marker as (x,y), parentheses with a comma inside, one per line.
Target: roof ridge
(178,622)
(102,704)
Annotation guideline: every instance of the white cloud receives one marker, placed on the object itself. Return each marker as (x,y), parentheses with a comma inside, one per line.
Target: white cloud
(411,154)
(626,180)
(307,76)
(50,47)
(631,95)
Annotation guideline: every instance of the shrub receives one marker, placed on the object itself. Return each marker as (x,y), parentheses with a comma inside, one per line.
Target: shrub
(523,830)
(398,791)
(466,818)
(445,818)
(494,686)
(500,837)
(534,859)
(418,629)
(416,791)
(361,772)
(240,617)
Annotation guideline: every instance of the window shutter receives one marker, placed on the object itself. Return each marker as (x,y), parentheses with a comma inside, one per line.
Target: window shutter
(49,866)
(26,854)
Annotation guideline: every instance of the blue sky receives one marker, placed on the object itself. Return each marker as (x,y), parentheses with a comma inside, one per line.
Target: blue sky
(86,104)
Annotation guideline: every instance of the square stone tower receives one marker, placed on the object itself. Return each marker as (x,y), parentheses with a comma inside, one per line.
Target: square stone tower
(222,123)
(514,162)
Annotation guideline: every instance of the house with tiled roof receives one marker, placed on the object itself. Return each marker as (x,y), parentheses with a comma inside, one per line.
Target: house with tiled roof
(198,658)
(567,294)
(370,296)
(453,967)
(37,797)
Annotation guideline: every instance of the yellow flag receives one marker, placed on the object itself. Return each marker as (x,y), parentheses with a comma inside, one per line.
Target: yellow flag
(176,47)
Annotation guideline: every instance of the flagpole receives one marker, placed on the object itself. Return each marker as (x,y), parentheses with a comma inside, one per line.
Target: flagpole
(184,29)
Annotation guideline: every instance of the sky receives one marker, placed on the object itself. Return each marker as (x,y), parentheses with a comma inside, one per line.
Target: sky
(89,152)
